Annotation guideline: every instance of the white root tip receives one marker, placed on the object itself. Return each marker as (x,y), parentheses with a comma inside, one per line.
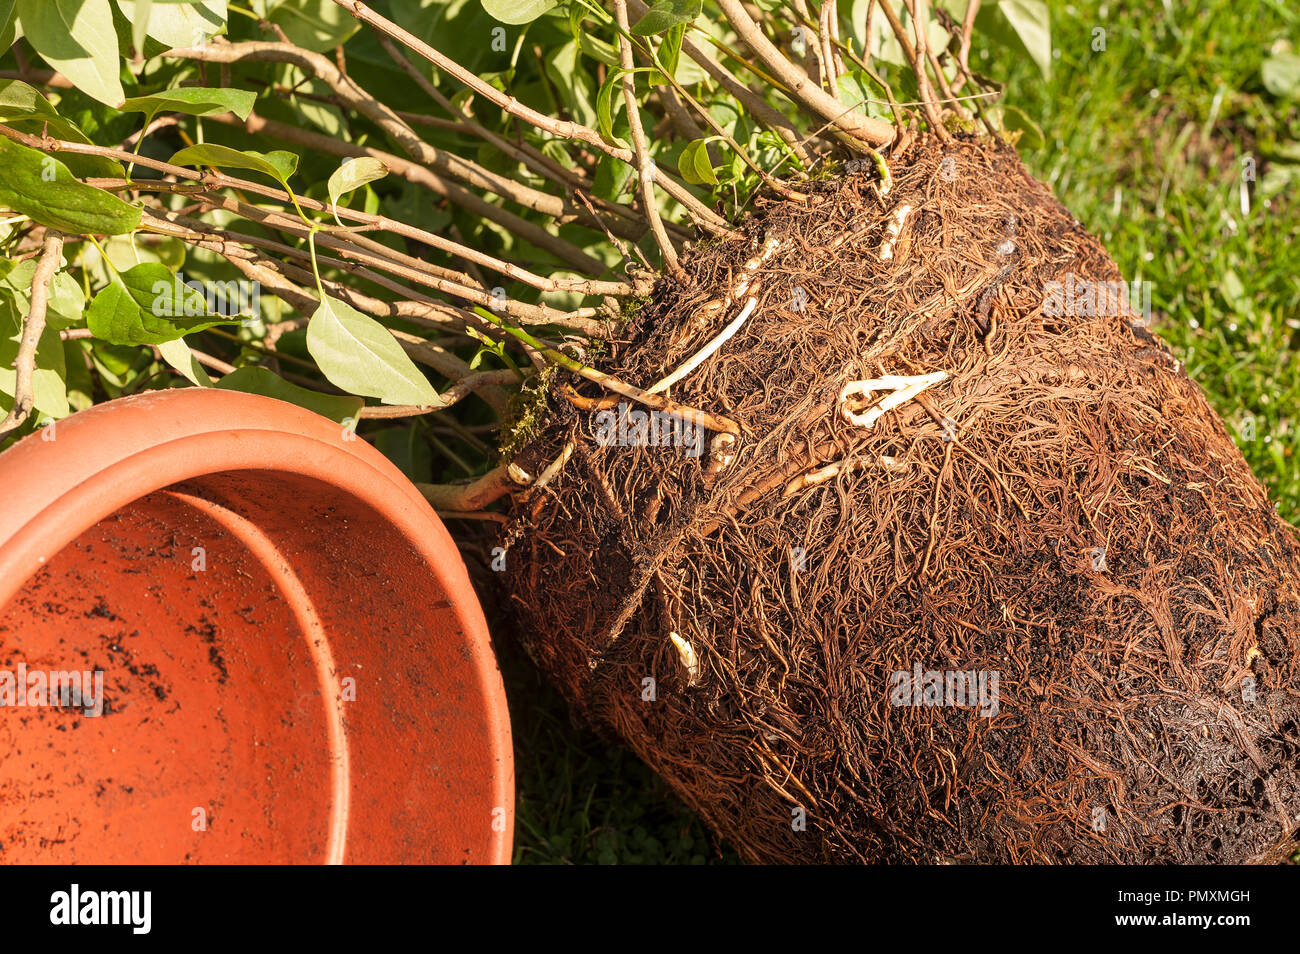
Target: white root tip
(823,474)
(690,662)
(720,454)
(895,229)
(855,397)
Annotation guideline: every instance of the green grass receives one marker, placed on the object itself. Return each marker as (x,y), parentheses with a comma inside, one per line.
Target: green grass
(582,799)
(1144,144)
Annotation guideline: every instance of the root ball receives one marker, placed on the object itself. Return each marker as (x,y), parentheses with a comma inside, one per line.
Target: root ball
(982,579)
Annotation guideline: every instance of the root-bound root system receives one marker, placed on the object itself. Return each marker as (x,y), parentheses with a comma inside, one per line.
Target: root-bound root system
(982,577)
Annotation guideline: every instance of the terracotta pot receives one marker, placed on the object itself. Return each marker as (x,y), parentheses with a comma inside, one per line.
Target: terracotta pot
(294,665)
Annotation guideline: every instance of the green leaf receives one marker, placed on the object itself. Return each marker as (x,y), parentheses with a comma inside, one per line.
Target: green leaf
(694,163)
(359,355)
(66,302)
(859,90)
(277,164)
(670,50)
(49,387)
(80,384)
(171,23)
(147,305)
(8,24)
(117,365)
(40,186)
(140,24)
(318,25)
(18,99)
(255,380)
(193,101)
(598,49)
(1031,136)
(28,110)
(1281,75)
(486,346)
(353,174)
(610,96)
(516,12)
(177,354)
(605,105)
(1020,24)
(665,15)
(310,102)
(574,83)
(77,38)
(612,177)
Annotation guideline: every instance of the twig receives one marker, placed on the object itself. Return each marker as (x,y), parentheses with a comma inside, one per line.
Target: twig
(218,180)
(533,158)
(802,89)
(473,515)
(826,37)
(563,129)
(915,56)
(33,328)
(208,361)
(492,486)
(646,169)
(356,98)
(387,260)
(752,102)
(719,130)
(814,51)
(414,172)
(963,50)
(920,18)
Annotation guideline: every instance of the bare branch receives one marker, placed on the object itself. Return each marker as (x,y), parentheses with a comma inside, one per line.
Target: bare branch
(530,232)
(474,383)
(802,88)
(33,328)
(534,159)
(492,486)
(753,103)
(920,19)
(814,61)
(644,166)
(563,129)
(353,97)
(826,36)
(208,361)
(205,181)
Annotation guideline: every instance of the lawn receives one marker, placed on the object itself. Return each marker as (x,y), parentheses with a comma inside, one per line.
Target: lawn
(1167,143)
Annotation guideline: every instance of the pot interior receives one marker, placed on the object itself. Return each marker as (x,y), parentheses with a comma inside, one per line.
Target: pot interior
(282,681)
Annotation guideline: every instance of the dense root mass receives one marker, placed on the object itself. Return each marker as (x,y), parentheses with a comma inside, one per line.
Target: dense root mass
(1059,516)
